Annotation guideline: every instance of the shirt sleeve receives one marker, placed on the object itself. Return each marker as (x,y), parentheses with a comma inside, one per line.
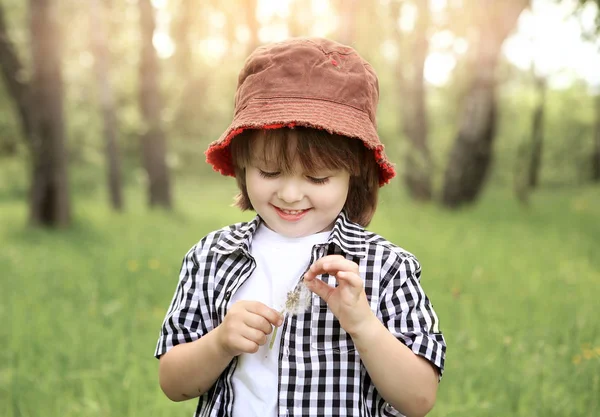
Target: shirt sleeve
(188,317)
(409,315)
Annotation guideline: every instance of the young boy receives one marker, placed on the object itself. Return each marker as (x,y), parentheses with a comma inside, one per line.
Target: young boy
(302,312)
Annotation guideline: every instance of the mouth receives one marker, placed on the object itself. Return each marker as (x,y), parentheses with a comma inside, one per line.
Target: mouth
(291,215)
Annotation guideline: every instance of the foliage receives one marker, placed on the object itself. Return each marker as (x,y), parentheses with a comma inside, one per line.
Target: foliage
(596,3)
(82,307)
(568,137)
(208,96)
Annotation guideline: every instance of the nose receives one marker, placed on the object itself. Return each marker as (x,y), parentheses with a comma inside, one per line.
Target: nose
(290,191)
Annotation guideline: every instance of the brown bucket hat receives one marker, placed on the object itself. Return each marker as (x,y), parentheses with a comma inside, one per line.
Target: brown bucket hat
(309,82)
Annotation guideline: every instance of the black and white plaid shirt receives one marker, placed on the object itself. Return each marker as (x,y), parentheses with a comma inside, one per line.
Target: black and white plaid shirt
(320,372)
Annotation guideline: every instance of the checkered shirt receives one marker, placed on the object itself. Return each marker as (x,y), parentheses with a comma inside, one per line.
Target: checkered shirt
(320,371)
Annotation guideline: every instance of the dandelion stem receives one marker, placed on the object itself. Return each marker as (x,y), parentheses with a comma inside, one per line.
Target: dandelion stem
(273,337)
(274,334)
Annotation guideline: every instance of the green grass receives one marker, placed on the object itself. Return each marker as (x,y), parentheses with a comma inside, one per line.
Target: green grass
(515,288)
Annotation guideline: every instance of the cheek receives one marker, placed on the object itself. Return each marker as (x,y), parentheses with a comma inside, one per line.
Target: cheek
(336,196)
(257,187)
(251,185)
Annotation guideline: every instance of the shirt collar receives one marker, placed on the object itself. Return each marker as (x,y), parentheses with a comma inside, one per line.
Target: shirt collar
(348,236)
(238,238)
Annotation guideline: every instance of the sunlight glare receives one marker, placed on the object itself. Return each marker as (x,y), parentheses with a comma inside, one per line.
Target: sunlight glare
(549,37)
(217,19)
(273,33)
(242,34)
(213,49)
(323,28)
(323,25)
(160,4)
(588,16)
(437,6)
(408,17)
(442,40)
(438,67)
(163,44)
(460,46)
(267,9)
(389,50)
(320,7)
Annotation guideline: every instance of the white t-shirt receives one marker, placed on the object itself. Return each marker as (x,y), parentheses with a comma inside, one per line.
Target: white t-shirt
(280,262)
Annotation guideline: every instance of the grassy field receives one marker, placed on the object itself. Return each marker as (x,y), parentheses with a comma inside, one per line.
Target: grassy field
(516,290)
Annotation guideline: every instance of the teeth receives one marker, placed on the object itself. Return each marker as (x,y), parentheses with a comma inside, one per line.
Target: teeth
(292,212)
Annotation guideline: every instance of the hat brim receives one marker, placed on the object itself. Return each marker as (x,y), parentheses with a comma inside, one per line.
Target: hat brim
(274,113)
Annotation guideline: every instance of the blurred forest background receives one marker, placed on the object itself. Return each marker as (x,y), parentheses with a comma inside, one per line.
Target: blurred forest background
(490,109)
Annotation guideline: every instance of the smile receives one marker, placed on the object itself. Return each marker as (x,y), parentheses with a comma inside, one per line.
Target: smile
(293,211)
(291,215)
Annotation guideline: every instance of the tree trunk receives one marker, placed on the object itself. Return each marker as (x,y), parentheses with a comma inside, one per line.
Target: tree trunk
(14,78)
(297,19)
(190,92)
(471,155)
(252,22)
(596,151)
(347,30)
(411,81)
(181,36)
(49,204)
(537,134)
(98,17)
(522,160)
(153,138)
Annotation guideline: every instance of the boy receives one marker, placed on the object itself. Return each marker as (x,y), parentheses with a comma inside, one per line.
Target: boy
(355,335)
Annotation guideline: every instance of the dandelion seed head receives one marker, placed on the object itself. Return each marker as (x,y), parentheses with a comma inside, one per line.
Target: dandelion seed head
(298,300)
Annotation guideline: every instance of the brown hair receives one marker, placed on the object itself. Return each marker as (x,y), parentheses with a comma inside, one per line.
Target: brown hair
(316,149)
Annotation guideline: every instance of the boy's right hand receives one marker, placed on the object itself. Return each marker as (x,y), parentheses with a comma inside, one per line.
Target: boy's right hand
(246,326)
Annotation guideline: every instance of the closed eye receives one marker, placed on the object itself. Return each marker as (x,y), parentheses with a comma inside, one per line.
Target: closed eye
(317,180)
(267,174)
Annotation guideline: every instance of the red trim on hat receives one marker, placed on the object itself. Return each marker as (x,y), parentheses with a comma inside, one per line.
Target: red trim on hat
(219,155)
(386,170)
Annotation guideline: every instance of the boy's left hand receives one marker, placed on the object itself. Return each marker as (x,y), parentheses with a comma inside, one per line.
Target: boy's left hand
(348,301)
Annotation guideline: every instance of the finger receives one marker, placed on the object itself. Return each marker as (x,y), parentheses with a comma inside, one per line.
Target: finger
(255,336)
(234,341)
(324,290)
(331,265)
(271,315)
(350,278)
(258,322)
(244,345)
(320,288)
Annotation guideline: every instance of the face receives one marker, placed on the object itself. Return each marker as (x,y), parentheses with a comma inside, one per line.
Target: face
(296,204)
